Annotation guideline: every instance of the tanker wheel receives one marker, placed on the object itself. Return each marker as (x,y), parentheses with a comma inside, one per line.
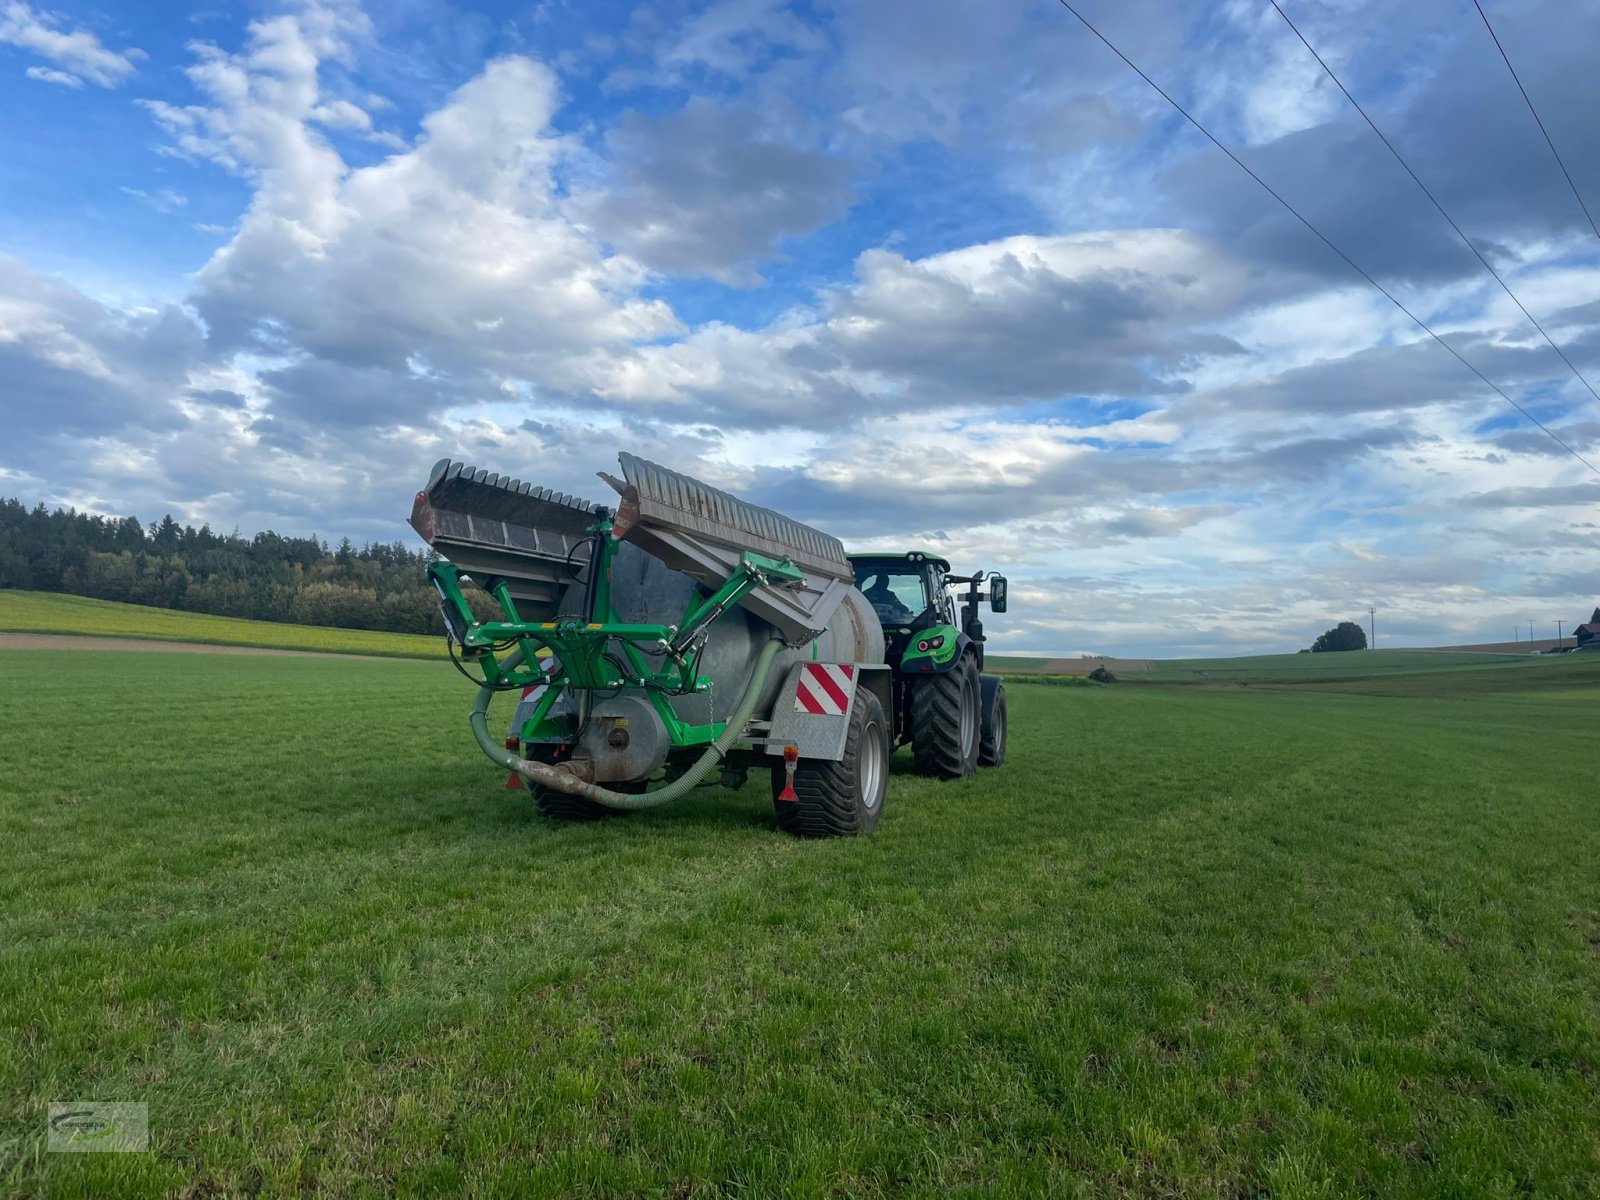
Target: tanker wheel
(840,799)
(561,807)
(992,741)
(946,712)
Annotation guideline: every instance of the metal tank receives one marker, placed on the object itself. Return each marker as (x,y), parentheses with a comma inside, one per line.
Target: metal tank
(651,642)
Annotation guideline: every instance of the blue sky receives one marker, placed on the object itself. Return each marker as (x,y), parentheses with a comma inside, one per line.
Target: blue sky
(932,273)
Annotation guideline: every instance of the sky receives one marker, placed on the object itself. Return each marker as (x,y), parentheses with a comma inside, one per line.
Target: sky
(939,275)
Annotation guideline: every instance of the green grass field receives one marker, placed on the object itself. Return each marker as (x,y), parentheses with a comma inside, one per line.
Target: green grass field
(1291,940)
(48,612)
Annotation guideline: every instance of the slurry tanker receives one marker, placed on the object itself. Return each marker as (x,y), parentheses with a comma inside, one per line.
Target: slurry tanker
(682,637)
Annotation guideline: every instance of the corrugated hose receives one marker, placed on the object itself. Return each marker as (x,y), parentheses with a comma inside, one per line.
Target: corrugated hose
(547,776)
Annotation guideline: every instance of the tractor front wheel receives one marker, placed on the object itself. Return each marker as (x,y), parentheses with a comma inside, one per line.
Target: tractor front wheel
(839,799)
(946,713)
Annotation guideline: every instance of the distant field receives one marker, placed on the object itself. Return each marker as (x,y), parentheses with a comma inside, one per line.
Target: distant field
(1291,667)
(1297,939)
(48,612)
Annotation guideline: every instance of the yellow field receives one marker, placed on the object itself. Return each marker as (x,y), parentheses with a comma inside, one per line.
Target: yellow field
(46,612)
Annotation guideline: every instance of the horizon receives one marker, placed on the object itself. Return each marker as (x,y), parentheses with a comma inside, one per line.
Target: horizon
(912,274)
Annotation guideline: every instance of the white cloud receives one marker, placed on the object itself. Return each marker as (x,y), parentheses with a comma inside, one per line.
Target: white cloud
(79,52)
(162,199)
(341,114)
(50,75)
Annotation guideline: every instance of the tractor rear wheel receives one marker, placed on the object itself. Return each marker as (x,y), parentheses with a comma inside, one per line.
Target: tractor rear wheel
(840,799)
(946,712)
(992,742)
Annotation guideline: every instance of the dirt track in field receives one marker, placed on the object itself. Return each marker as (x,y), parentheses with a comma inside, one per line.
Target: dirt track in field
(72,641)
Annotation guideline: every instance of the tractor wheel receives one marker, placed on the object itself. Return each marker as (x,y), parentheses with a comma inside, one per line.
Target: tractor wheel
(992,741)
(840,799)
(946,711)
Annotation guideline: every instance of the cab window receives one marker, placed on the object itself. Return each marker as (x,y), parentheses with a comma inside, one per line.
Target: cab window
(898,597)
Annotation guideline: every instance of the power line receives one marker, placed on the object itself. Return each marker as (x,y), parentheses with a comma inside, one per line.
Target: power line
(1488,266)
(1322,237)
(1529,102)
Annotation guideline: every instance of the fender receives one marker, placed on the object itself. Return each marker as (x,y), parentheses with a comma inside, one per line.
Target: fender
(946,644)
(991,686)
(812,709)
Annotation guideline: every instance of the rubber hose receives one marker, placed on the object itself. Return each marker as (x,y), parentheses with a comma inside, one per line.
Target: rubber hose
(562,781)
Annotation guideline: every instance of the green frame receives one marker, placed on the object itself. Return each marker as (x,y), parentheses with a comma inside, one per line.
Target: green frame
(583,648)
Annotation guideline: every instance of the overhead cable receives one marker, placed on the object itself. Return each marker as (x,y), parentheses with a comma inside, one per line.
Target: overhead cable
(1322,237)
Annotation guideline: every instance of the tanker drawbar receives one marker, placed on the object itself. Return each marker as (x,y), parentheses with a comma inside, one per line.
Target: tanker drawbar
(680,637)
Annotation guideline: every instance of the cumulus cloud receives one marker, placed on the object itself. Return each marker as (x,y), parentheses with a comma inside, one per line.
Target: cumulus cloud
(50,75)
(1175,426)
(78,53)
(453,253)
(994,325)
(707,190)
(73,367)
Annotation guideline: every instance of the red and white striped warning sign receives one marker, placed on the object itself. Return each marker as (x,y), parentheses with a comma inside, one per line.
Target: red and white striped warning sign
(824,688)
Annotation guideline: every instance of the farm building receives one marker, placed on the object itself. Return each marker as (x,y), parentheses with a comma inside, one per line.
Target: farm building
(1587,633)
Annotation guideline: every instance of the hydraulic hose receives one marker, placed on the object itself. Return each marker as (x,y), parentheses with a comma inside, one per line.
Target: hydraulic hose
(555,779)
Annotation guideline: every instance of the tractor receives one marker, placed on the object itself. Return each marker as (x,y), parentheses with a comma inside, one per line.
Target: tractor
(952,714)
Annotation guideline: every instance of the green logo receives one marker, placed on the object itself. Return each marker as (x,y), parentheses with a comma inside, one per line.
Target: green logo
(83,1125)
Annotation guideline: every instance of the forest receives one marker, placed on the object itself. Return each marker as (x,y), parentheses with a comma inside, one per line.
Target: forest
(267,577)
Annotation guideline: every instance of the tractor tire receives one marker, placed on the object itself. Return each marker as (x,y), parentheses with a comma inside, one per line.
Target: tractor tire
(844,798)
(946,712)
(992,741)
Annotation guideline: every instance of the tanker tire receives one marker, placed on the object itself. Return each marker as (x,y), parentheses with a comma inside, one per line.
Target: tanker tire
(946,712)
(561,807)
(992,744)
(844,798)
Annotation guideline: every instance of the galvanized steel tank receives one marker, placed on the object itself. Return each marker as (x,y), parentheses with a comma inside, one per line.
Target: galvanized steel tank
(645,590)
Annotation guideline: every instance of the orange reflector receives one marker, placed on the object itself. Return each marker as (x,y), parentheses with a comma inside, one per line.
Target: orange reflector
(513,780)
(791,757)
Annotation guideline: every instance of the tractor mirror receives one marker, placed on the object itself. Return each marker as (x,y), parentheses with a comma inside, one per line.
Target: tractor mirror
(997,593)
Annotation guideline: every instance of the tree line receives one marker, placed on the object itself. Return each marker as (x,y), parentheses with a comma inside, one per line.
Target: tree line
(267,577)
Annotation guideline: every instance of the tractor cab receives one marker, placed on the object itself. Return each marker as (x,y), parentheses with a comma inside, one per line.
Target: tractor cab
(907,592)
(911,595)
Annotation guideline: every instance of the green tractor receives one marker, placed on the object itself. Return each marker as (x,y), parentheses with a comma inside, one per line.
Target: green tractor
(952,714)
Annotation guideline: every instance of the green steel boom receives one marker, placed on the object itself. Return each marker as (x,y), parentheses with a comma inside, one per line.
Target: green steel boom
(582,648)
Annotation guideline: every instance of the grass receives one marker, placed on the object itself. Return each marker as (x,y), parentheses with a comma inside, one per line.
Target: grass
(48,612)
(1291,940)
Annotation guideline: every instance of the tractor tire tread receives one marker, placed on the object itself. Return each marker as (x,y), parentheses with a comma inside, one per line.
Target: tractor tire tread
(936,723)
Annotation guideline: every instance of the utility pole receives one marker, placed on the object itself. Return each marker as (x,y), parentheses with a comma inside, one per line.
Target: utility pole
(1558,633)
(1372,621)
